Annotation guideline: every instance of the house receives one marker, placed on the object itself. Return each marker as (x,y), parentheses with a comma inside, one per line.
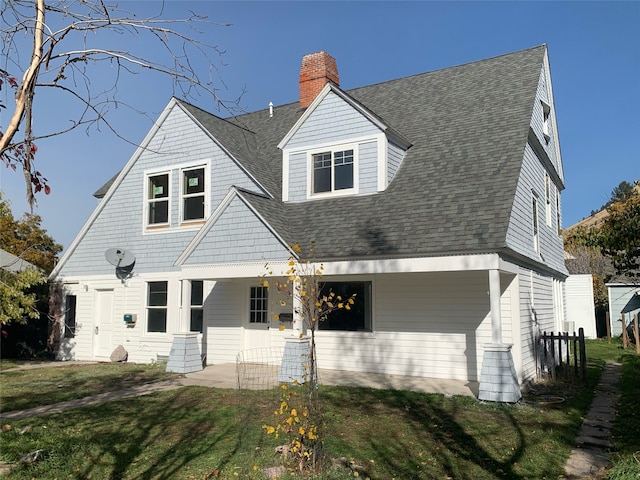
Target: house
(435,197)
(624,300)
(10,263)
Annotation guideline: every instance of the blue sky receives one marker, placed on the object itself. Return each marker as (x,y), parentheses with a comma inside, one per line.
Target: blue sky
(594,50)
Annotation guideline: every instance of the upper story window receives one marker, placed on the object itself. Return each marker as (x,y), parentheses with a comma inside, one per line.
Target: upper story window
(182,186)
(333,171)
(193,194)
(546,128)
(158,199)
(536,233)
(547,193)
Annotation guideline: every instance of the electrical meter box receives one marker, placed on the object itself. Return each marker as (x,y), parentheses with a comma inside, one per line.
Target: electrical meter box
(130,318)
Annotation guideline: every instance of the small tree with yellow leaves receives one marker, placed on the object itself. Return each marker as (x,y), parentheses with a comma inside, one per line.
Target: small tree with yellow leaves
(299,416)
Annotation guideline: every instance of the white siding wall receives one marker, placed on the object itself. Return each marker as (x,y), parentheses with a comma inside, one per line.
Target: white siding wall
(424,325)
(223,321)
(580,305)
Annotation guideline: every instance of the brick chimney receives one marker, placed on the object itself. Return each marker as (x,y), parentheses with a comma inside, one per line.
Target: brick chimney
(316,71)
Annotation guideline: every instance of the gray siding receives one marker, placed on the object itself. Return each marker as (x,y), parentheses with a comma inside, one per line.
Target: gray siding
(536,315)
(333,120)
(394,159)
(237,236)
(298,175)
(368,166)
(520,232)
(120,223)
(619,298)
(537,121)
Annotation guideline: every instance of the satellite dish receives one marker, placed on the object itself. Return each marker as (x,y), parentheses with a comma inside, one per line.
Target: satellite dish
(119,257)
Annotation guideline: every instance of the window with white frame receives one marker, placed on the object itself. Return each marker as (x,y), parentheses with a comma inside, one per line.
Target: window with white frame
(546,128)
(196,305)
(259,305)
(558,221)
(158,199)
(547,194)
(536,233)
(333,171)
(157,306)
(193,194)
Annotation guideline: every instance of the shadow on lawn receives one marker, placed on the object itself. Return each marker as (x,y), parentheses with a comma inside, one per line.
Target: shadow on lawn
(434,439)
(165,433)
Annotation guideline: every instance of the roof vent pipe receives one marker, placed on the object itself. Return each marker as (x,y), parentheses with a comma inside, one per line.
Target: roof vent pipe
(270,109)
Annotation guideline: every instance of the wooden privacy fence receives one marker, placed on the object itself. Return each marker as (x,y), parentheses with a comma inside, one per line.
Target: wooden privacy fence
(562,356)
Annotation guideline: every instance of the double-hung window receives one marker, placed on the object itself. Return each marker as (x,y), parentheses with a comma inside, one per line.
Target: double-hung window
(157,307)
(158,199)
(193,194)
(333,171)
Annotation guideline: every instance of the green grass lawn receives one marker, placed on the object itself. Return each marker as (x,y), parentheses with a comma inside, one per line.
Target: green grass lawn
(201,433)
(22,389)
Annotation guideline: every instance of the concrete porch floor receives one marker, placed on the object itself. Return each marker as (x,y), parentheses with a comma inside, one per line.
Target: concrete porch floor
(225,376)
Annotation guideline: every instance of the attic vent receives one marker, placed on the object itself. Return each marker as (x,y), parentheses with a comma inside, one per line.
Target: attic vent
(316,71)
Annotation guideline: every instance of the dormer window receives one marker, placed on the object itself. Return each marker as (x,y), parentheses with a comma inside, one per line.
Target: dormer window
(333,171)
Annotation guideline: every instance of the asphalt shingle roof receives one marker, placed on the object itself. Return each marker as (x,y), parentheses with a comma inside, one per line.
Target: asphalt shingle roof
(454,191)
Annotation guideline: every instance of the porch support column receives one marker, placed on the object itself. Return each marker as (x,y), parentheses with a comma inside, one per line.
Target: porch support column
(298,322)
(494,298)
(498,378)
(185,306)
(297,348)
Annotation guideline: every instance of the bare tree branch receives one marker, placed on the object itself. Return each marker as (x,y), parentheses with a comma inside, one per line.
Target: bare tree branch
(71,40)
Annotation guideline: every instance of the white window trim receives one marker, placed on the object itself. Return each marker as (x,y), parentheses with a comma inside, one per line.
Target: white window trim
(333,148)
(207,189)
(546,121)
(145,220)
(267,312)
(147,307)
(547,194)
(172,170)
(535,222)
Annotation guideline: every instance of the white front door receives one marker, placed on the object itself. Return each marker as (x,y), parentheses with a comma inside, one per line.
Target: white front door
(103,323)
